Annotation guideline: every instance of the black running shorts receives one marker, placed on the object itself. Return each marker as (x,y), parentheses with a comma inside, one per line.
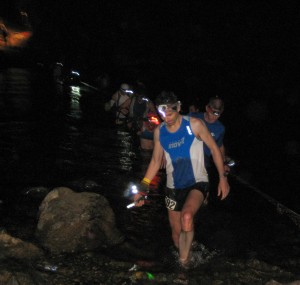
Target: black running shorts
(175,198)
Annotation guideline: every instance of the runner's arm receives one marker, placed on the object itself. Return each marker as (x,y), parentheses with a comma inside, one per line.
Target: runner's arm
(201,131)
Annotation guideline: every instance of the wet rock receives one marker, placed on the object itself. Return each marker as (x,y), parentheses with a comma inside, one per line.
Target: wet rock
(15,272)
(18,278)
(76,222)
(273,282)
(83,184)
(36,192)
(11,247)
(28,202)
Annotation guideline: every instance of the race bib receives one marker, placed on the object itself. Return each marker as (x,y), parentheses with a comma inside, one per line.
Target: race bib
(170,204)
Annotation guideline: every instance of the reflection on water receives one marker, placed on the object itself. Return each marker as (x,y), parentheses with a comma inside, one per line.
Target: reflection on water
(75,110)
(50,138)
(68,147)
(15,89)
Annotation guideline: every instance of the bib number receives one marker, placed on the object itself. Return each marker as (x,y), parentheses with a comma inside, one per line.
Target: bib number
(170,204)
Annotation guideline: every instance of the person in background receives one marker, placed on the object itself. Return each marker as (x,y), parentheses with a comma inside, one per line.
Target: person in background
(116,102)
(142,117)
(4,32)
(213,111)
(180,139)
(57,69)
(193,108)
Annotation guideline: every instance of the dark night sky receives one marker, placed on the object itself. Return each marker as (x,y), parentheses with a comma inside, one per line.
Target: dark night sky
(245,51)
(254,39)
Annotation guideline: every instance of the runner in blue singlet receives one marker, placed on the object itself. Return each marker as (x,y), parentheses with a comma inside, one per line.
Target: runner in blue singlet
(181,140)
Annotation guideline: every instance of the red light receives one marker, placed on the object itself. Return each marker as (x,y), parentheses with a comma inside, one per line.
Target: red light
(154,120)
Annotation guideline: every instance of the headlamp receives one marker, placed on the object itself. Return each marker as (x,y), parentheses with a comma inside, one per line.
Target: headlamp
(214,112)
(163,108)
(230,162)
(126,91)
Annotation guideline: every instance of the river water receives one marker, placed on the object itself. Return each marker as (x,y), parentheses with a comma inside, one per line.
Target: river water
(52,135)
(60,136)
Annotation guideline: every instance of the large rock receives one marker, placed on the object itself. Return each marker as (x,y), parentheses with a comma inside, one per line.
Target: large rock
(74,222)
(11,247)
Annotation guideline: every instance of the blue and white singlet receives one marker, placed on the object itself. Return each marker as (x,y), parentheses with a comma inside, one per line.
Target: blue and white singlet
(184,156)
(217,130)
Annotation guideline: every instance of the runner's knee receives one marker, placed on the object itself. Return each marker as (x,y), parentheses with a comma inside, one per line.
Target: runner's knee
(187,221)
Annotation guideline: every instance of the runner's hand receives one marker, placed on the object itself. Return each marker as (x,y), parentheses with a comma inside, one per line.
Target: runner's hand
(141,196)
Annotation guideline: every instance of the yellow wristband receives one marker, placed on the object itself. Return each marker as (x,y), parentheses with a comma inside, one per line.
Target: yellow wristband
(146,181)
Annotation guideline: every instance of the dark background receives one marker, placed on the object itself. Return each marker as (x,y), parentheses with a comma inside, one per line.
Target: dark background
(240,41)
(244,51)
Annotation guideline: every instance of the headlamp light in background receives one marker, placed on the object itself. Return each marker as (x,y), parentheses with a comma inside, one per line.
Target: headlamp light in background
(230,162)
(154,120)
(73,72)
(131,190)
(128,91)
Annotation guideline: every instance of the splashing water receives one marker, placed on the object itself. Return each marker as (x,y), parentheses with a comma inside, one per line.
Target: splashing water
(199,255)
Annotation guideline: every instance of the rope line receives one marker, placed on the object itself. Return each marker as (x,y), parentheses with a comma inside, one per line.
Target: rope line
(280,208)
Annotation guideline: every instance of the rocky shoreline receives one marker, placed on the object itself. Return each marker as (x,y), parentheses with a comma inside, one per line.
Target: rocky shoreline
(25,261)
(28,267)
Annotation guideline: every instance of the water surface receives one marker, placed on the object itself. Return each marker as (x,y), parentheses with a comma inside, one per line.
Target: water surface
(60,136)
